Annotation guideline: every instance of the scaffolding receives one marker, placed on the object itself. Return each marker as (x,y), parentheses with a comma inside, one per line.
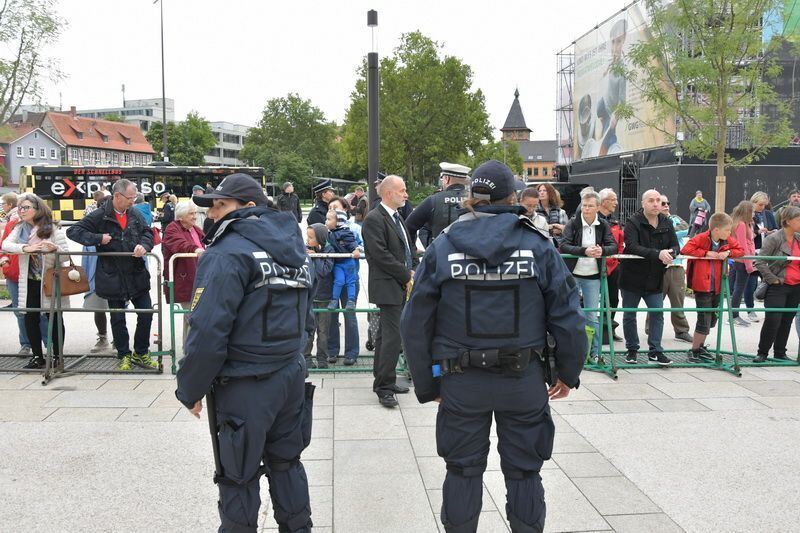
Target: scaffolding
(565,65)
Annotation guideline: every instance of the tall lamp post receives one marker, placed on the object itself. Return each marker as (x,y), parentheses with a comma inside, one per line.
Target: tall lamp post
(163,91)
(373,127)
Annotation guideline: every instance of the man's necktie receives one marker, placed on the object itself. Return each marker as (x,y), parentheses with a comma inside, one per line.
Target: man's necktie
(402,230)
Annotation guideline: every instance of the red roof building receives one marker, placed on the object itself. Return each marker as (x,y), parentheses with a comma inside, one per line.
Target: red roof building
(92,141)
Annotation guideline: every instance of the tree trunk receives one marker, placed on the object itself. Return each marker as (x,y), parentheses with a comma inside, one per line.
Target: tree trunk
(721,184)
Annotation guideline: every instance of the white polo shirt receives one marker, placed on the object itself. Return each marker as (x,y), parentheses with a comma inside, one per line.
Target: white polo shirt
(587,266)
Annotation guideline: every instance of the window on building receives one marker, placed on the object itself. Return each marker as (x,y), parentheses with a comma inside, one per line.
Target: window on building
(19,151)
(229,138)
(232,154)
(74,154)
(79,134)
(127,140)
(529,171)
(544,171)
(86,155)
(114,158)
(214,152)
(104,137)
(535,171)
(35,134)
(42,153)
(53,153)
(127,159)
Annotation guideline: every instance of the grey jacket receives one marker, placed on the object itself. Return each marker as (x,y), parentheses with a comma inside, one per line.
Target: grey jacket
(773,245)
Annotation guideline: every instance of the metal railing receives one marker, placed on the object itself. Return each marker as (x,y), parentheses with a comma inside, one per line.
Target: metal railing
(81,363)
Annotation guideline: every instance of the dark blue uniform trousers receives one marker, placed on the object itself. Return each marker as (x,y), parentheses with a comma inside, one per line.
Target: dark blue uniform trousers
(525,434)
(264,420)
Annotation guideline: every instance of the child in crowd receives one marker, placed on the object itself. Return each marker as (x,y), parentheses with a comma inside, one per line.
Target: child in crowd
(317,242)
(345,274)
(704,277)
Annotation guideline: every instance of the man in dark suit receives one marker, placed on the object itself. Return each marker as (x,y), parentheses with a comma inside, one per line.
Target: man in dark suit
(389,255)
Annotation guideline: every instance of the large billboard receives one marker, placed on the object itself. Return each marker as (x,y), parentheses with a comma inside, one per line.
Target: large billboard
(599,88)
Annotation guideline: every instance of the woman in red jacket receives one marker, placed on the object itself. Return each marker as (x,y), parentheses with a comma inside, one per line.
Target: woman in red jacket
(182,236)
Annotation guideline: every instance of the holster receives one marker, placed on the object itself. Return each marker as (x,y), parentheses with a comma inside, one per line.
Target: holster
(547,358)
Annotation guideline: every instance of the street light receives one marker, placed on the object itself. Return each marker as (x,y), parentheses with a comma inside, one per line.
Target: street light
(164,152)
(373,125)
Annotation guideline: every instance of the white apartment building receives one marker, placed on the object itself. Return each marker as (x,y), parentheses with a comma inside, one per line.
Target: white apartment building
(142,113)
(230,140)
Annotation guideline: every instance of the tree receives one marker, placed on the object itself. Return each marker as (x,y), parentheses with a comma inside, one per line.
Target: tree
(26,27)
(428,112)
(188,141)
(115,117)
(705,68)
(292,141)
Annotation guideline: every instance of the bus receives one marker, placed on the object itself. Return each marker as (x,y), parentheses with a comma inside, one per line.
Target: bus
(68,189)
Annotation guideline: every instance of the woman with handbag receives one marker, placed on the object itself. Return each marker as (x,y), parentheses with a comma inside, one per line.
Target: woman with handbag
(783,291)
(36,236)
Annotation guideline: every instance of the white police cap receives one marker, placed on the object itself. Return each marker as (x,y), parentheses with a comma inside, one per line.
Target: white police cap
(454,170)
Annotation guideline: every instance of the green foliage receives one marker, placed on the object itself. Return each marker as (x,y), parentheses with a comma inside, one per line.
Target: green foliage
(704,65)
(115,117)
(293,141)
(418,192)
(26,28)
(187,142)
(428,112)
(504,151)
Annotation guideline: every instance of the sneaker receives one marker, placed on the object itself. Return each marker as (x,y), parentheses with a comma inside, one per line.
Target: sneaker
(333,304)
(760,359)
(333,360)
(753,317)
(739,321)
(661,359)
(781,357)
(630,357)
(102,345)
(349,362)
(322,364)
(143,360)
(683,336)
(693,357)
(350,306)
(35,362)
(704,353)
(310,363)
(25,351)
(125,363)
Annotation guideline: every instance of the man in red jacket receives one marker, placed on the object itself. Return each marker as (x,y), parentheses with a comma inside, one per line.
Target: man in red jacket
(704,277)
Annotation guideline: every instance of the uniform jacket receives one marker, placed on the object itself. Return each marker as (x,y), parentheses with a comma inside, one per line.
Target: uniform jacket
(573,240)
(438,211)
(167,214)
(317,213)
(290,203)
(117,278)
(385,251)
(251,305)
(491,281)
(13,244)
(178,240)
(774,245)
(642,239)
(698,272)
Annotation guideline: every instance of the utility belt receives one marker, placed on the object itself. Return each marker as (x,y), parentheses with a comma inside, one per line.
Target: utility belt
(511,361)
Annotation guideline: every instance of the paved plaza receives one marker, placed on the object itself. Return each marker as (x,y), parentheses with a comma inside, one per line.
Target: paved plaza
(693,450)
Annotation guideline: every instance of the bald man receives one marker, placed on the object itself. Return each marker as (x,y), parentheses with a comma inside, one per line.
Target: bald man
(650,235)
(388,248)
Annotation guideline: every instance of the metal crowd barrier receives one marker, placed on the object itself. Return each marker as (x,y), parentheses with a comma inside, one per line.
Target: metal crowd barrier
(363,360)
(82,363)
(732,360)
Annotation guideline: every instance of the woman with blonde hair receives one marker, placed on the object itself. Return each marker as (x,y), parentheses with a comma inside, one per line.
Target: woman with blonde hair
(36,237)
(743,268)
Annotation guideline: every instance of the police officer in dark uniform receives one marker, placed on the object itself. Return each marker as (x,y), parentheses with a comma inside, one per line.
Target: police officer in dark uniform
(487,292)
(324,193)
(441,209)
(249,319)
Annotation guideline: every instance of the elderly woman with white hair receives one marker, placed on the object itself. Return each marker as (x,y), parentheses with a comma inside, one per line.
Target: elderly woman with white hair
(182,236)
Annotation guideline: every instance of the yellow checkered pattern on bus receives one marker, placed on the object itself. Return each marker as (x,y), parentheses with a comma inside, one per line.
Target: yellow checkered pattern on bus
(68,210)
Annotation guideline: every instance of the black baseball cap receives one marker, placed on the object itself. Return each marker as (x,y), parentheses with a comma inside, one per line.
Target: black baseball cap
(236,186)
(492,181)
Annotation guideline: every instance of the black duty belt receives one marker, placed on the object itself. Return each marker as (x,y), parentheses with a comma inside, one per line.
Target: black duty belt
(510,360)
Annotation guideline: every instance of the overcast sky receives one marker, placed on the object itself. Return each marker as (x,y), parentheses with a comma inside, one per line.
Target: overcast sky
(225,59)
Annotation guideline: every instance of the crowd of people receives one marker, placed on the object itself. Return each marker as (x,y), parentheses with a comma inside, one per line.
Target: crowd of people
(121,220)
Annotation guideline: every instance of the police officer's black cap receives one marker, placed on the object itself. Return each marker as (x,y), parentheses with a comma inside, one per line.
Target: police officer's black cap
(236,186)
(322,185)
(492,181)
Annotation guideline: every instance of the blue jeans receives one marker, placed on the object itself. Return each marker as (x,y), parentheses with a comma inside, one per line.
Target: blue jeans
(653,300)
(13,290)
(590,291)
(350,332)
(345,276)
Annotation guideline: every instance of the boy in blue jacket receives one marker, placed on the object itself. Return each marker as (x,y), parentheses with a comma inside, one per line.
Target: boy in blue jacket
(345,276)
(317,242)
